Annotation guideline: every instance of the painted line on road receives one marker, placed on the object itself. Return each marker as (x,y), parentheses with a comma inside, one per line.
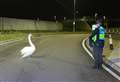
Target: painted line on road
(8,42)
(12,41)
(106,68)
(87,49)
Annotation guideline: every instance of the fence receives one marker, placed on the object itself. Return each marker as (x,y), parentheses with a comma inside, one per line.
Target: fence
(7,24)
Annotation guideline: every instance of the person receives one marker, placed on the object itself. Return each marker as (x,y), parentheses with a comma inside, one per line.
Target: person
(98,39)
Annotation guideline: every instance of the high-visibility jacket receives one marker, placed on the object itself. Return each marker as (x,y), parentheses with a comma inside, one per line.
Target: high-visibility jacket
(101,33)
(98,36)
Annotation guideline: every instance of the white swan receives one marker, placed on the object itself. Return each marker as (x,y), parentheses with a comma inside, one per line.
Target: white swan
(28,50)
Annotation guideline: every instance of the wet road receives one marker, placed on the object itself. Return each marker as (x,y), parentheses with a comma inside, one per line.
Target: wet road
(57,58)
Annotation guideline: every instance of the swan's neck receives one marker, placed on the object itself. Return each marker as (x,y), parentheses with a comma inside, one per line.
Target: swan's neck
(30,42)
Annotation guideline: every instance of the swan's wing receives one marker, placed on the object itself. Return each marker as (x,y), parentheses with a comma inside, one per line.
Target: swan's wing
(25,50)
(26,55)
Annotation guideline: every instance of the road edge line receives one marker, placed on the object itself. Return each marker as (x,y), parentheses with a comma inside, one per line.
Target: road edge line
(106,68)
(8,42)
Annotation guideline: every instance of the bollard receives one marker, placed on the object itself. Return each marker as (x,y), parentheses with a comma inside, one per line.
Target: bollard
(110,42)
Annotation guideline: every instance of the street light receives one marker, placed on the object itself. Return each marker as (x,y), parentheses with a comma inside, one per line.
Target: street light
(96,14)
(55,18)
(74,20)
(2,25)
(64,18)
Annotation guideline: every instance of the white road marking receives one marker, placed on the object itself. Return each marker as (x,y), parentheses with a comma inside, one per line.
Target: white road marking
(87,49)
(106,68)
(8,42)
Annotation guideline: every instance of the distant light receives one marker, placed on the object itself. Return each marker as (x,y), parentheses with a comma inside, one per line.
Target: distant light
(96,14)
(64,18)
(73,22)
(55,17)
(104,17)
(77,12)
(83,19)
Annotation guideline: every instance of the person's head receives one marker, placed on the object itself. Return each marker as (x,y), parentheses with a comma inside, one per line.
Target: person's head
(99,20)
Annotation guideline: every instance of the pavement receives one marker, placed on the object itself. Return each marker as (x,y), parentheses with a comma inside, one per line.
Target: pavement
(112,59)
(58,58)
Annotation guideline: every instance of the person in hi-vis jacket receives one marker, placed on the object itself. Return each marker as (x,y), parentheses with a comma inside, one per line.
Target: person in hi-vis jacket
(98,38)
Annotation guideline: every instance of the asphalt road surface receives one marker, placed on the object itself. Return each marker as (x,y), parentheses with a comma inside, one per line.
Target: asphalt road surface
(58,58)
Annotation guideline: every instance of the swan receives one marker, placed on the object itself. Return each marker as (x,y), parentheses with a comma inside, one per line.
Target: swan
(28,50)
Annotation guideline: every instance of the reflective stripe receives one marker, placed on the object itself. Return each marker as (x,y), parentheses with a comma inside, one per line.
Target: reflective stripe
(101,33)
(101,36)
(94,38)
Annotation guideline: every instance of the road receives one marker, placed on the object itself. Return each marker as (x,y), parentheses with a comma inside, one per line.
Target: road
(58,58)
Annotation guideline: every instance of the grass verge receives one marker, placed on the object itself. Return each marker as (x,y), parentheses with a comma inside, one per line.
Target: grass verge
(11,36)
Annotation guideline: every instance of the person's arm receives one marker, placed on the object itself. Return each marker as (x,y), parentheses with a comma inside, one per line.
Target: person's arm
(94,32)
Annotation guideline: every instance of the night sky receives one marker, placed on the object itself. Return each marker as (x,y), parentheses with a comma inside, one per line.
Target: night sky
(47,9)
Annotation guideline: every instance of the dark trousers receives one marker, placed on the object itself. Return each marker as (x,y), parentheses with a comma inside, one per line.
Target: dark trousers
(97,53)
(90,42)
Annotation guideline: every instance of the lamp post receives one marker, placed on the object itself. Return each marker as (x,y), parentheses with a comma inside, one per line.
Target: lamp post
(74,20)
(55,18)
(2,25)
